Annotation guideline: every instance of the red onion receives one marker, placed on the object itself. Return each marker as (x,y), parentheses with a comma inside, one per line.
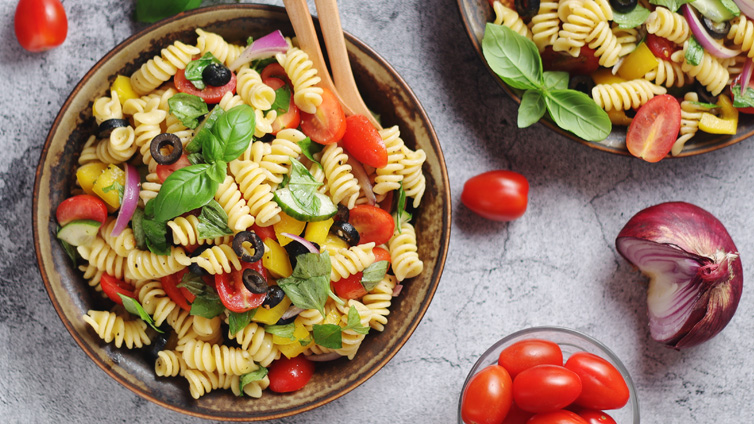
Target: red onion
(361,175)
(331,356)
(291,312)
(702,36)
(397,290)
(130,199)
(269,45)
(746,6)
(746,72)
(695,272)
(307,244)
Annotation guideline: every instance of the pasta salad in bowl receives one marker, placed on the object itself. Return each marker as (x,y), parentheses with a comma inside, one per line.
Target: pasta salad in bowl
(601,61)
(216,245)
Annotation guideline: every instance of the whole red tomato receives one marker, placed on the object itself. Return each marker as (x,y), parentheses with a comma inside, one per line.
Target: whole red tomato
(527,353)
(487,398)
(603,387)
(497,195)
(40,24)
(546,388)
(557,417)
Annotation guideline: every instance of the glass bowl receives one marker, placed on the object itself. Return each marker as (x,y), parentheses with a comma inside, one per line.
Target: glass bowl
(570,342)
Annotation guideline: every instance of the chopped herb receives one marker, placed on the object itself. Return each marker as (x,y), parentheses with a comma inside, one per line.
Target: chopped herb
(133,306)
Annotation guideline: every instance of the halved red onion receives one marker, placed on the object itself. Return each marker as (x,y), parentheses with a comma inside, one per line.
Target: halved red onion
(361,175)
(130,199)
(331,356)
(261,48)
(746,6)
(307,244)
(702,36)
(291,312)
(695,272)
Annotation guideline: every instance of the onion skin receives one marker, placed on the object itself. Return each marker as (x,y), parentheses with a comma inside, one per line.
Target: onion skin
(700,256)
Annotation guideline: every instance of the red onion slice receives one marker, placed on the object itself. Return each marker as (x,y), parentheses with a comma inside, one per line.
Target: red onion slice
(130,199)
(746,6)
(746,72)
(324,357)
(361,175)
(309,246)
(397,290)
(269,45)
(291,312)
(709,43)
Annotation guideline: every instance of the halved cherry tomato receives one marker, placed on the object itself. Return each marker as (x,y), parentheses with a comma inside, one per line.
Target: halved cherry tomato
(40,24)
(603,385)
(546,388)
(81,206)
(654,129)
(288,375)
(210,94)
(594,416)
(661,47)
(584,64)
(350,287)
(233,294)
(291,118)
(525,354)
(372,223)
(557,417)
(111,286)
(328,124)
(275,70)
(363,142)
(180,295)
(487,397)
(381,254)
(497,195)
(264,232)
(164,171)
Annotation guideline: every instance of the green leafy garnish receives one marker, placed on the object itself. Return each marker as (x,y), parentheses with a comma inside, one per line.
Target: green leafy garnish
(309,285)
(207,304)
(284,330)
(512,57)
(328,335)
(213,221)
(188,108)
(694,52)
(282,100)
(741,97)
(184,190)
(354,322)
(708,105)
(138,229)
(303,186)
(193,283)
(400,215)
(373,274)
(70,250)
(556,79)
(259,65)
(310,148)
(232,132)
(673,5)
(237,321)
(117,187)
(218,171)
(133,307)
(251,377)
(631,19)
(195,68)
(155,231)
(576,112)
(195,158)
(204,130)
(150,11)
(532,108)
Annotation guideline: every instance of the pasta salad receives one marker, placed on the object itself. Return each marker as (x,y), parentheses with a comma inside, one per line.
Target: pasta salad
(227,208)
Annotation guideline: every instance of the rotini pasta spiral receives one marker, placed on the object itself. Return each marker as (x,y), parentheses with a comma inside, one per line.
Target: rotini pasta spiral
(378,301)
(203,382)
(145,265)
(545,25)
(210,357)
(161,68)
(206,327)
(252,90)
(625,95)
(282,149)
(218,260)
(150,188)
(742,33)
(105,259)
(123,242)
(256,151)
(664,23)
(351,340)
(390,177)
(414,182)
(579,24)
(349,261)
(403,253)
(210,42)
(154,300)
(310,318)
(258,343)
(229,197)
(306,95)
(169,363)
(89,151)
(341,183)
(668,74)
(605,44)
(186,232)
(628,38)
(509,17)
(112,328)
(106,108)
(709,72)
(691,113)
(251,179)
(119,147)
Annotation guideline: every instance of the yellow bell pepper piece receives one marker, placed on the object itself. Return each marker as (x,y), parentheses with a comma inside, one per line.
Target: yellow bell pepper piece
(332,317)
(726,123)
(619,117)
(605,76)
(638,63)
(334,242)
(316,232)
(276,260)
(122,86)
(87,174)
(272,315)
(292,350)
(299,333)
(106,186)
(287,225)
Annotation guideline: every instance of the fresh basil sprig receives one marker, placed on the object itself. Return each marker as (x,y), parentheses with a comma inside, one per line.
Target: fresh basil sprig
(303,186)
(309,285)
(516,60)
(694,52)
(231,133)
(213,221)
(237,321)
(400,215)
(282,100)
(133,306)
(184,190)
(373,274)
(310,148)
(150,11)
(741,97)
(251,377)
(282,330)
(188,108)
(632,19)
(331,335)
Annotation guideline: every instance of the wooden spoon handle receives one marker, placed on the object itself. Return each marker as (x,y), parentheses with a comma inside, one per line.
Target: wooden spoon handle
(332,32)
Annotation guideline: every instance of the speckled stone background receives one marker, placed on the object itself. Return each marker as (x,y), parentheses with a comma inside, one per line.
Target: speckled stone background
(557,265)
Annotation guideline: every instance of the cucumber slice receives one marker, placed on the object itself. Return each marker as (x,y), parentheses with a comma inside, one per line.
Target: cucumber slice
(79,232)
(284,198)
(717,10)
(203,131)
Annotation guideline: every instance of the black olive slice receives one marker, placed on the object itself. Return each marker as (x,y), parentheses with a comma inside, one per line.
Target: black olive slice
(216,75)
(106,127)
(256,245)
(583,83)
(285,321)
(346,231)
(623,6)
(704,95)
(166,141)
(194,268)
(294,249)
(343,213)
(274,296)
(527,8)
(716,30)
(254,281)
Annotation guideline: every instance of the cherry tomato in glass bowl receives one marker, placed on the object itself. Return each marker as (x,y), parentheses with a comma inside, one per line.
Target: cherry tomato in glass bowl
(654,129)
(288,375)
(603,386)
(40,24)
(525,354)
(594,416)
(557,417)
(498,195)
(487,397)
(546,388)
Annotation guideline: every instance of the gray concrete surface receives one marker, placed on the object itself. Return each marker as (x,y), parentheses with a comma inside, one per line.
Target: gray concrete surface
(555,266)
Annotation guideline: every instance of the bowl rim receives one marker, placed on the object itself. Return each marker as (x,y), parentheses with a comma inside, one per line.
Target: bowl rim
(434,279)
(475,42)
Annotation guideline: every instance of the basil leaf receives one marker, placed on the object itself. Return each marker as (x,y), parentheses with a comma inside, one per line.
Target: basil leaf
(742,98)
(259,65)
(354,322)
(204,130)
(708,105)
(115,186)
(303,186)
(576,112)
(184,190)
(156,233)
(237,321)
(514,58)
(309,285)
(251,377)
(188,108)
(194,284)
(556,80)
(673,5)
(150,11)
(234,130)
(400,216)
(195,158)
(207,305)
(218,171)
(631,19)
(285,330)
(373,274)
(133,307)
(282,100)
(71,251)
(328,335)
(213,221)
(310,148)
(195,69)
(138,229)
(694,52)
(532,108)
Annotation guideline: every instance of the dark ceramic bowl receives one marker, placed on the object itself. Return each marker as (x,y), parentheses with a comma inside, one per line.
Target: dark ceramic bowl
(384,91)
(476,13)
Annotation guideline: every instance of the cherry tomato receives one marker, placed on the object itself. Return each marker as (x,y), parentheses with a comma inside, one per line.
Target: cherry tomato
(661,47)
(372,223)
(363,142)
(585,64)
(328,124)
(233,294)
(737,81)
(40,24)
(275,70)
(288,375)
(111,286)
(654,129)
(291,118)
(603,385)
(497,195)
(487,398)
(528,353)
(81,206)
(557,417)
(210,94)
(181,296)
(164,171)
(350,287)
(546,388)
(517,415)
(381,254)
(594,416)
(264,232)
